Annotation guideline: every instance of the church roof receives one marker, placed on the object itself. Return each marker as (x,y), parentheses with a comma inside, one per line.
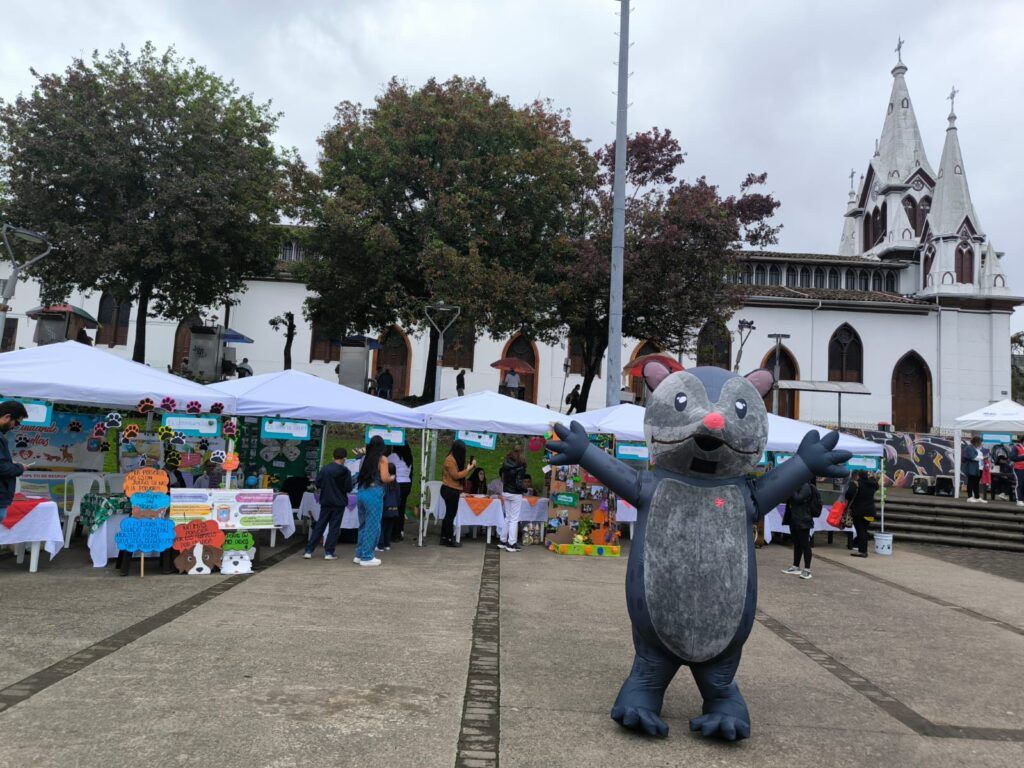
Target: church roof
(828,294)
(951,200)
(815,258)
(900,150)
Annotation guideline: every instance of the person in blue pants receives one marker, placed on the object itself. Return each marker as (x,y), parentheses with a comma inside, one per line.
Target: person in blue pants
(373,475)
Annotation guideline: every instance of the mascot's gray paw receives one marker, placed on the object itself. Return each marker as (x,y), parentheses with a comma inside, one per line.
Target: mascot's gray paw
(640,719)
(820,457)
(571,445)
(726,727)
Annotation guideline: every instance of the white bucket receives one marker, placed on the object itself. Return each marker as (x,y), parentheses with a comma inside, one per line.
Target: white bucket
(883,543)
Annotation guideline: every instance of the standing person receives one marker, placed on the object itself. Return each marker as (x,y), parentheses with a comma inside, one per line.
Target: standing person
(401,457)
(373,474)
(513,474)
(385,383)
(971,460)
(389,521)
(460,383)
(801,510)
(476,483)
(243,368)
(175,479)
(335,484)
(1018,471)
(861,496)
(212,477)
(512,383)
(454,472)
(573,400)
(11,414)
(986,474)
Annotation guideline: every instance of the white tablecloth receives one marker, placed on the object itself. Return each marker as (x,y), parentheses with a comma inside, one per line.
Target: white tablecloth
(624,512)
(101,543)
(534,513)
(311,507)
(773,523)
(493,515)
(281,509)
(42,524)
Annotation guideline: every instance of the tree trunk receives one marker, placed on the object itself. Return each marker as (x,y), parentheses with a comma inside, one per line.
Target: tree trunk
(591,367)
(139,351)
(289,337)
(428,378)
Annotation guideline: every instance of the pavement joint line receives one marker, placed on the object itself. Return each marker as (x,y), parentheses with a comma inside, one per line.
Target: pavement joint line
(888,703)
(930,598)
(480,729)
(27,687)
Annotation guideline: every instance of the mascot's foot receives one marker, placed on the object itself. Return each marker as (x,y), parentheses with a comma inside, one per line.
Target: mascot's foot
(639,719)
(725,719)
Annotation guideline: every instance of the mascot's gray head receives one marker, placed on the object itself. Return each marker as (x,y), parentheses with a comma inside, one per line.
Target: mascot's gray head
(706,422)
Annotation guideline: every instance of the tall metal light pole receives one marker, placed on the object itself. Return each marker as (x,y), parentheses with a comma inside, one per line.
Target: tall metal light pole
(745,328)
(436,314)
(11,285)
(778,351)
(614,381)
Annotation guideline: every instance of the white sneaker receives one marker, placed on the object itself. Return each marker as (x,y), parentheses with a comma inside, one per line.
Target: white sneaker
(805,575)
(983,501)
(307,555)
(378,549)
(330,557)
(1002,497)
(972,500)
(356,560)
(502,545)
(374,561)
(1020,503)
(792,570)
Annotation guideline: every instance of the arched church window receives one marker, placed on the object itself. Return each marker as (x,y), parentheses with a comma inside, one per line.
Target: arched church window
(929,262)
(905,103)
(851,280)
(863,281)
(963,263)
(759,275)
(791,277)
(890,282)
(833,278)
(805,277)
(819,278)
(845,355)
(774,275)
(876,281)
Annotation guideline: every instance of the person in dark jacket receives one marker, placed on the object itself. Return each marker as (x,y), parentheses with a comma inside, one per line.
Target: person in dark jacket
(389,518)
(971,460)
(801,510)
(860,494)
(513,472)
(11,414)
(335,484)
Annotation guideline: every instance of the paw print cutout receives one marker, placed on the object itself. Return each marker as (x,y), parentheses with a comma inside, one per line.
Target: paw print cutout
(204,444)
(218,457)
(217,408)
(125,440)
(146,405)
(21,442)
(74,426)
(168,404)
(104,447)
(131,431)
(100,430)
(165,433)
(230,429)
(172,459)
(178,438)
(113,420)
(193,406)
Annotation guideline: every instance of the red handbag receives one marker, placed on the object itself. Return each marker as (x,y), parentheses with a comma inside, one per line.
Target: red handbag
(835,513)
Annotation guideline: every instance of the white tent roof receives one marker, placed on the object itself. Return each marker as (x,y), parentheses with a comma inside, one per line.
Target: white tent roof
(489,412)
(1004,416)
(71,372)
(300,395)
(626,422)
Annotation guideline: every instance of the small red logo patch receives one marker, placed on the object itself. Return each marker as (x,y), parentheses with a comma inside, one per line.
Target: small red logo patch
(719,503)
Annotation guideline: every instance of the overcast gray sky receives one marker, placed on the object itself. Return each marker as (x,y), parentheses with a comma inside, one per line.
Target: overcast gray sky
(797,88)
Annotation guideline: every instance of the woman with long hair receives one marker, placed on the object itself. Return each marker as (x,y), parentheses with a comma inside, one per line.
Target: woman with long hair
(373,474)
(401,457)
(454,472)
(513,474)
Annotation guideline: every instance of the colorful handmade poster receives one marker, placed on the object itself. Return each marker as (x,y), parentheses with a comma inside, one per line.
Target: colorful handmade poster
(66,444)
(278,458)
(285,429)
(145,449)
(488,441)
(153,535)
(194,426)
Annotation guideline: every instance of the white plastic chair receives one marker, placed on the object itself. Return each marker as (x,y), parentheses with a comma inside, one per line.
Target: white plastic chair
(114,483)
(81,483)
(434,508)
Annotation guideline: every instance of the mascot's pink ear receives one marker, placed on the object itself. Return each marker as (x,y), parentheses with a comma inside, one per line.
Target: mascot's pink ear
(762,379)
(654,374)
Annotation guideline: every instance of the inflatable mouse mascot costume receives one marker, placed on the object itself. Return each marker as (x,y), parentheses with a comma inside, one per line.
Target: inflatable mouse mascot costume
(691,581)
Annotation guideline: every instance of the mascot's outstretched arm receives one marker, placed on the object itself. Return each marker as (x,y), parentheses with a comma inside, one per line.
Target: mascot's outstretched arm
(814,458)
(574,447)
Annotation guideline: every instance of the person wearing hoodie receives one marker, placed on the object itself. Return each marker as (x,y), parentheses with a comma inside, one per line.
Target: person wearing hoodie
(513,472)
(801,510)
(861,497)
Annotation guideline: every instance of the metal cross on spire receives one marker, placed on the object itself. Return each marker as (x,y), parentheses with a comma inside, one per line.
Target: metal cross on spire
(952,97)
(852,174)
(899,49)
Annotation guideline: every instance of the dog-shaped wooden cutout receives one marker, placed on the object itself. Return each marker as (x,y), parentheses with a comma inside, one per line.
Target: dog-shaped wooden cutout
(200,560)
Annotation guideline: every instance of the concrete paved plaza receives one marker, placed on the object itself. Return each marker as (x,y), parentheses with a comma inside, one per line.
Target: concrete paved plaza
(914,660)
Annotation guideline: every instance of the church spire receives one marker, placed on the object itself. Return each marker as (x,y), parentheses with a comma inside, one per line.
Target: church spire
(951,204)
(848,242)
(900,150)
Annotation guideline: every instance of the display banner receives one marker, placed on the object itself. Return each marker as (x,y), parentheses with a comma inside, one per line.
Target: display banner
(486,440)
(631,451)
(207,425)
(230,509)
(65,444)
(390,435)
(285,429)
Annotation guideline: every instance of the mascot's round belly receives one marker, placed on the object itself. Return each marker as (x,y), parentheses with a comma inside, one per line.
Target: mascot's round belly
(695,567)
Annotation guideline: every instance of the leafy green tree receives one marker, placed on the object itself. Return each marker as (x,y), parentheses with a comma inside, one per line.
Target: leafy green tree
(681,241)
(157,180)
(446,192)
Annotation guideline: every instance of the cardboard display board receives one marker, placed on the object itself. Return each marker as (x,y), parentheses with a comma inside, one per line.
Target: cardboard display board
(233,509)
(278,458)
(67,444)
(580,502)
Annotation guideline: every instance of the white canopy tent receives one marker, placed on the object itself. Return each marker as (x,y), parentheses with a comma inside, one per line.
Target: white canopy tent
(1004,416)
(490,412)
(70,372)
(626,422)
(298,395)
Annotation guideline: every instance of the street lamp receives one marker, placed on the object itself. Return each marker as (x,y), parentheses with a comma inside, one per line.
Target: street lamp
(775,387)
(745,328)
(437,314)
(29,236)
